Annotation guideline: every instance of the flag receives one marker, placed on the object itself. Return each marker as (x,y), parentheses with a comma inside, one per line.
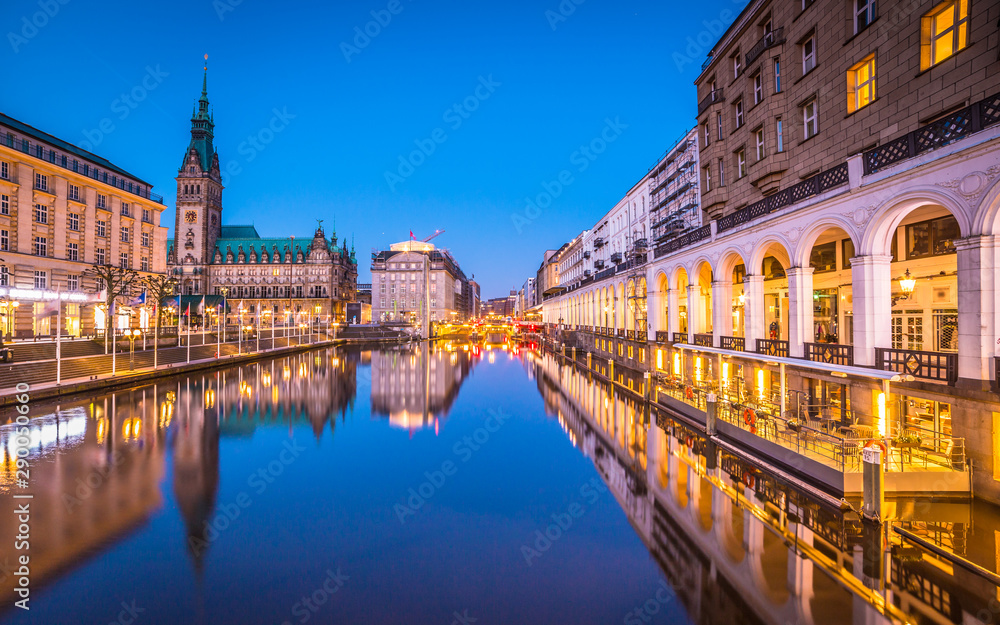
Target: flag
(50,308)
(411,235)
(201,306)
(187,311)
(139,301)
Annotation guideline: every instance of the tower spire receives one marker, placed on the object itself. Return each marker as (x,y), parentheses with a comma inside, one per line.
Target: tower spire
(204,81)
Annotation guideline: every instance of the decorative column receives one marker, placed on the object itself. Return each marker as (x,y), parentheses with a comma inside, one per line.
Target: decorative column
(673,316)
(695,312)
(871,279)
(978,313)
(722,311)
(753,310)
(800,310)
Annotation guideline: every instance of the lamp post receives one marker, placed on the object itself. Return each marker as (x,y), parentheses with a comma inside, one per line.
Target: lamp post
(239,324)
(225,292)
(319,308)
(132,335)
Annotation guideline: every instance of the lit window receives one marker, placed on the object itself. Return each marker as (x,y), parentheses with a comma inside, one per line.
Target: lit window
(739,112)
(741,163)
(808,55)
(944,31)
(780,132)
(861,84)
(810,125)
(759,138)
(864,13)
(758,88)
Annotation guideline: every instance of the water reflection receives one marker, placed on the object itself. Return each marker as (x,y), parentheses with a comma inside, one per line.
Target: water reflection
(740,545)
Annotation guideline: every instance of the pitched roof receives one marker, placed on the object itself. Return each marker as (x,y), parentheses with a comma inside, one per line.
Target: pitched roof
(239,232)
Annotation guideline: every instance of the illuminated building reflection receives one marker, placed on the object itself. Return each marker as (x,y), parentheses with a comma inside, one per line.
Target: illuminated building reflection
(741,545)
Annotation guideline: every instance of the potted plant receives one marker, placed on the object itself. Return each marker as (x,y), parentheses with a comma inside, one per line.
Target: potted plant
(794,425)
(906,440)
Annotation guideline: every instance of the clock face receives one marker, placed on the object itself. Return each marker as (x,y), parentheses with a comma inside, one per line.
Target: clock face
(191,216)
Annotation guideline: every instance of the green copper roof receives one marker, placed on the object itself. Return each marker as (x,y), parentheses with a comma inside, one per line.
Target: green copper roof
(202,129)
(240,232)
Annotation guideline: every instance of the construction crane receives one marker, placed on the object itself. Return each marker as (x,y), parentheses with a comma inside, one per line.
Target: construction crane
(437,233)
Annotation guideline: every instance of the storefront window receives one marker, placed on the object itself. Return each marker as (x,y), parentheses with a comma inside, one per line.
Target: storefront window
(932,238)
(824,257)
(772,269)
(825,316)
(946,330)
(926,417)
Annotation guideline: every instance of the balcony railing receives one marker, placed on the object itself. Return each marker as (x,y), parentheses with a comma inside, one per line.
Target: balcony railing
(809,187)
(831,353)
(586,254)
(713,96)
(974,118)
(664,337)
(772,347)
(616,257)
(598,264)
(704,340)
(769,40)
(705,232)
(680,337)
(735,343)
(598,243)
(937,366)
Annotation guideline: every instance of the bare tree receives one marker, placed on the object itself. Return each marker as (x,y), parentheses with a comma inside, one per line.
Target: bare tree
(159,288)
(114,282)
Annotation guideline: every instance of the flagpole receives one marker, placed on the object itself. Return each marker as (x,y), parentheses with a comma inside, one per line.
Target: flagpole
(188,332)
(202,310)
(218,333)
(114,339)
(58,338)
(257,327)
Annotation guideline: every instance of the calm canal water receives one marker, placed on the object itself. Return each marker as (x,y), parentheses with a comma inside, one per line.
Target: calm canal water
(440,484)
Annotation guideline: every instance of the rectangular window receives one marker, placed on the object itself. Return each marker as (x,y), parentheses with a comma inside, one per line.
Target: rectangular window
(124,260)
(759,139)
(707,134)
(124,234)
(708,179)
(73,251)
(758,88)
(943,32)
(74,222)
(4,276)
(73,283)
(41,246)
(41,279)
(147,216)
(41,182)
(737,65)
(738,106)
(864,13)
(824,257)
(41,213)
(777,76)
(4,240)
(809,119)
(741,163)
(4,205)
(5,170)
(145,239)
(99,256)
(946,330)
(144,264)
(779,132)
(102,228)
(722,172)
(861,84)
(125,209)
(102,201)
(718,122)
(808,55)
(932,238)
(74,192)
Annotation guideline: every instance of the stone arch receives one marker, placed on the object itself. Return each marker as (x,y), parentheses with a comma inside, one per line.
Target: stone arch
(731,257)
(765,245)
(987,216)
(891,213)
(803,250)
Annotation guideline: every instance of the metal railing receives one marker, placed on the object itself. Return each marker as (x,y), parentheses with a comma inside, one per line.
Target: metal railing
(664,337)
(772,347)
(809,187)
(680,337)
(938,366)
(735,343)
(974,118)
(769,40)
(704,340)
(830,352)
(713,96)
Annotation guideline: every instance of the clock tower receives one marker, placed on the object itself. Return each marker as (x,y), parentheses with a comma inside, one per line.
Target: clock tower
(199,200)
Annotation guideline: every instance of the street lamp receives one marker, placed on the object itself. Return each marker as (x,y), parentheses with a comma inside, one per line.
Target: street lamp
(906,284)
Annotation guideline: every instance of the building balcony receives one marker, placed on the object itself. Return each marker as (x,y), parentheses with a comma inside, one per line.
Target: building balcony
(713,97)
(769,40)
(586,255)
(598,264)
(617,257)
(598,243)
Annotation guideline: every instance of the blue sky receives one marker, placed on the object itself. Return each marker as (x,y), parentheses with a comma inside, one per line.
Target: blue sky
(319,122)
